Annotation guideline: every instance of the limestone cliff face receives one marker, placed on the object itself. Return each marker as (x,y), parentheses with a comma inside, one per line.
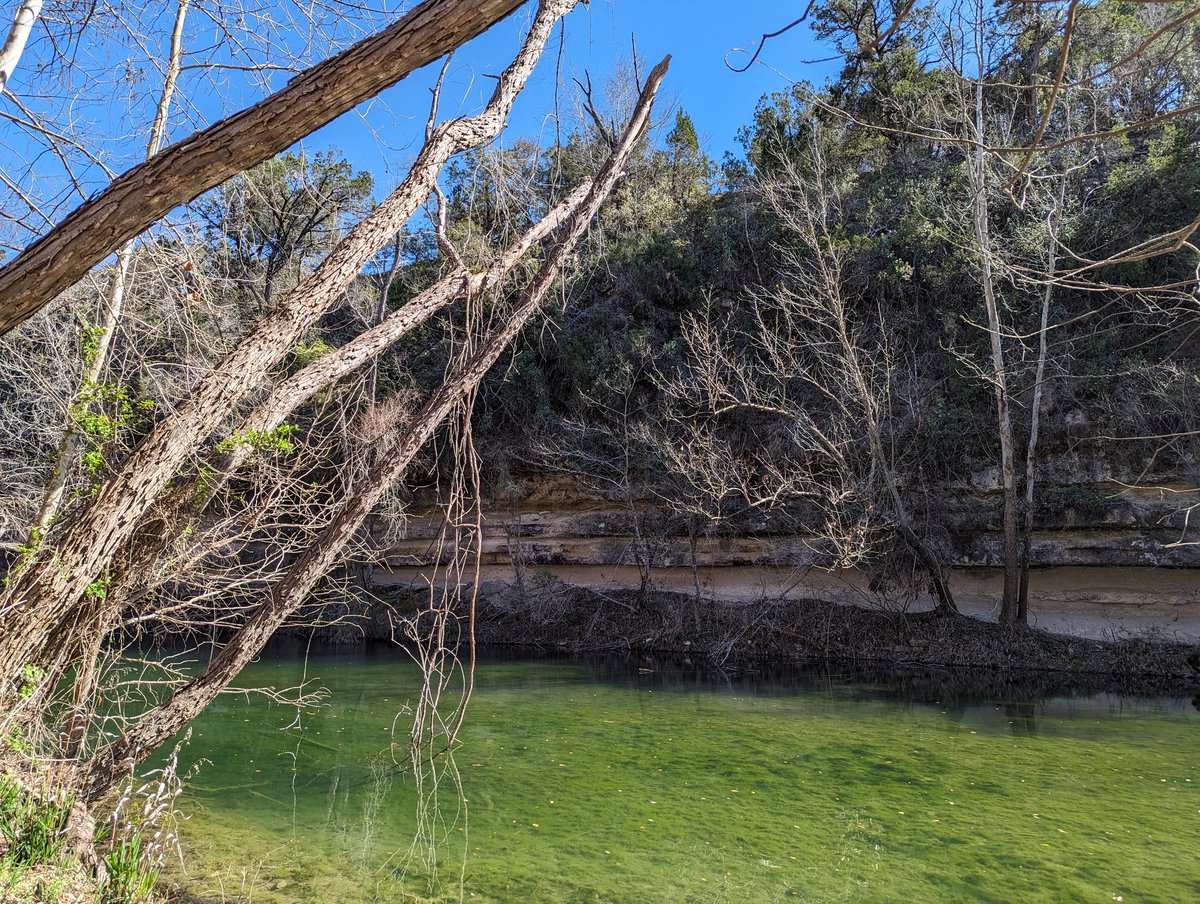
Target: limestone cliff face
(1111,558)
(1088,516)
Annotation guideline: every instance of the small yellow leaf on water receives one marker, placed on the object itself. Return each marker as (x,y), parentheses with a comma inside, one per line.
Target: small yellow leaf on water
(535,825)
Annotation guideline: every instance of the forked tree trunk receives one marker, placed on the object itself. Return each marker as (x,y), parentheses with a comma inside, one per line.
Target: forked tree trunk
(52,586)
(144,194)
(156,726)
(1035,416)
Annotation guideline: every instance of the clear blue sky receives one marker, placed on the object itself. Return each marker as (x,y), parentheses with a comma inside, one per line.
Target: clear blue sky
(697,34)
(106,96)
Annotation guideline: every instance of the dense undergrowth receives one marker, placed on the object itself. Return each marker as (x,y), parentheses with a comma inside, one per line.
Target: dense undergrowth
(39,863)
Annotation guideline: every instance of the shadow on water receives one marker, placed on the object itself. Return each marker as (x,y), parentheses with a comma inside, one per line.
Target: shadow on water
(916,686)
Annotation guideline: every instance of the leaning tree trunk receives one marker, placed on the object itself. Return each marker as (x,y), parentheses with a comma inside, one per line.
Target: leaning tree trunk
(184,503)
(49,588)
(868,400)
(312,99)
(116,762)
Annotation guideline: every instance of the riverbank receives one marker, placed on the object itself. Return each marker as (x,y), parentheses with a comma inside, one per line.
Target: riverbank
(581,620)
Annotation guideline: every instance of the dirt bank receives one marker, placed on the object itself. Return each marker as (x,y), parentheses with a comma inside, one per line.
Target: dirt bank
(1099,603)
(579,620)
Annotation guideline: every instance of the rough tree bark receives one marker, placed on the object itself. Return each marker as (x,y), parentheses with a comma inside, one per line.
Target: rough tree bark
(47,592)
(368,346)
(317,96)
(182,505)
(109,768)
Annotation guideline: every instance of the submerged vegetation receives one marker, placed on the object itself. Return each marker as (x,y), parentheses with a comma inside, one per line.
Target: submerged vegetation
(957,275)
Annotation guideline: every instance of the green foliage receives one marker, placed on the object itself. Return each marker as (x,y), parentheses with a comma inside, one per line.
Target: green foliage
(281,214)
(90,344)
(18,742)
(33,832)
(101,413)
(31,678)
(204,482)
(306,353)
(276,441)
(25,553)
(98,589)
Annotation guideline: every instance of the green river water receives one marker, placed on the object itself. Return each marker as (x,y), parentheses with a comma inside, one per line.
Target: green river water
(603,783)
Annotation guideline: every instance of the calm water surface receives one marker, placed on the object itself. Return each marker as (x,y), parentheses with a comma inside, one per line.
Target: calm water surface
(599,783)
